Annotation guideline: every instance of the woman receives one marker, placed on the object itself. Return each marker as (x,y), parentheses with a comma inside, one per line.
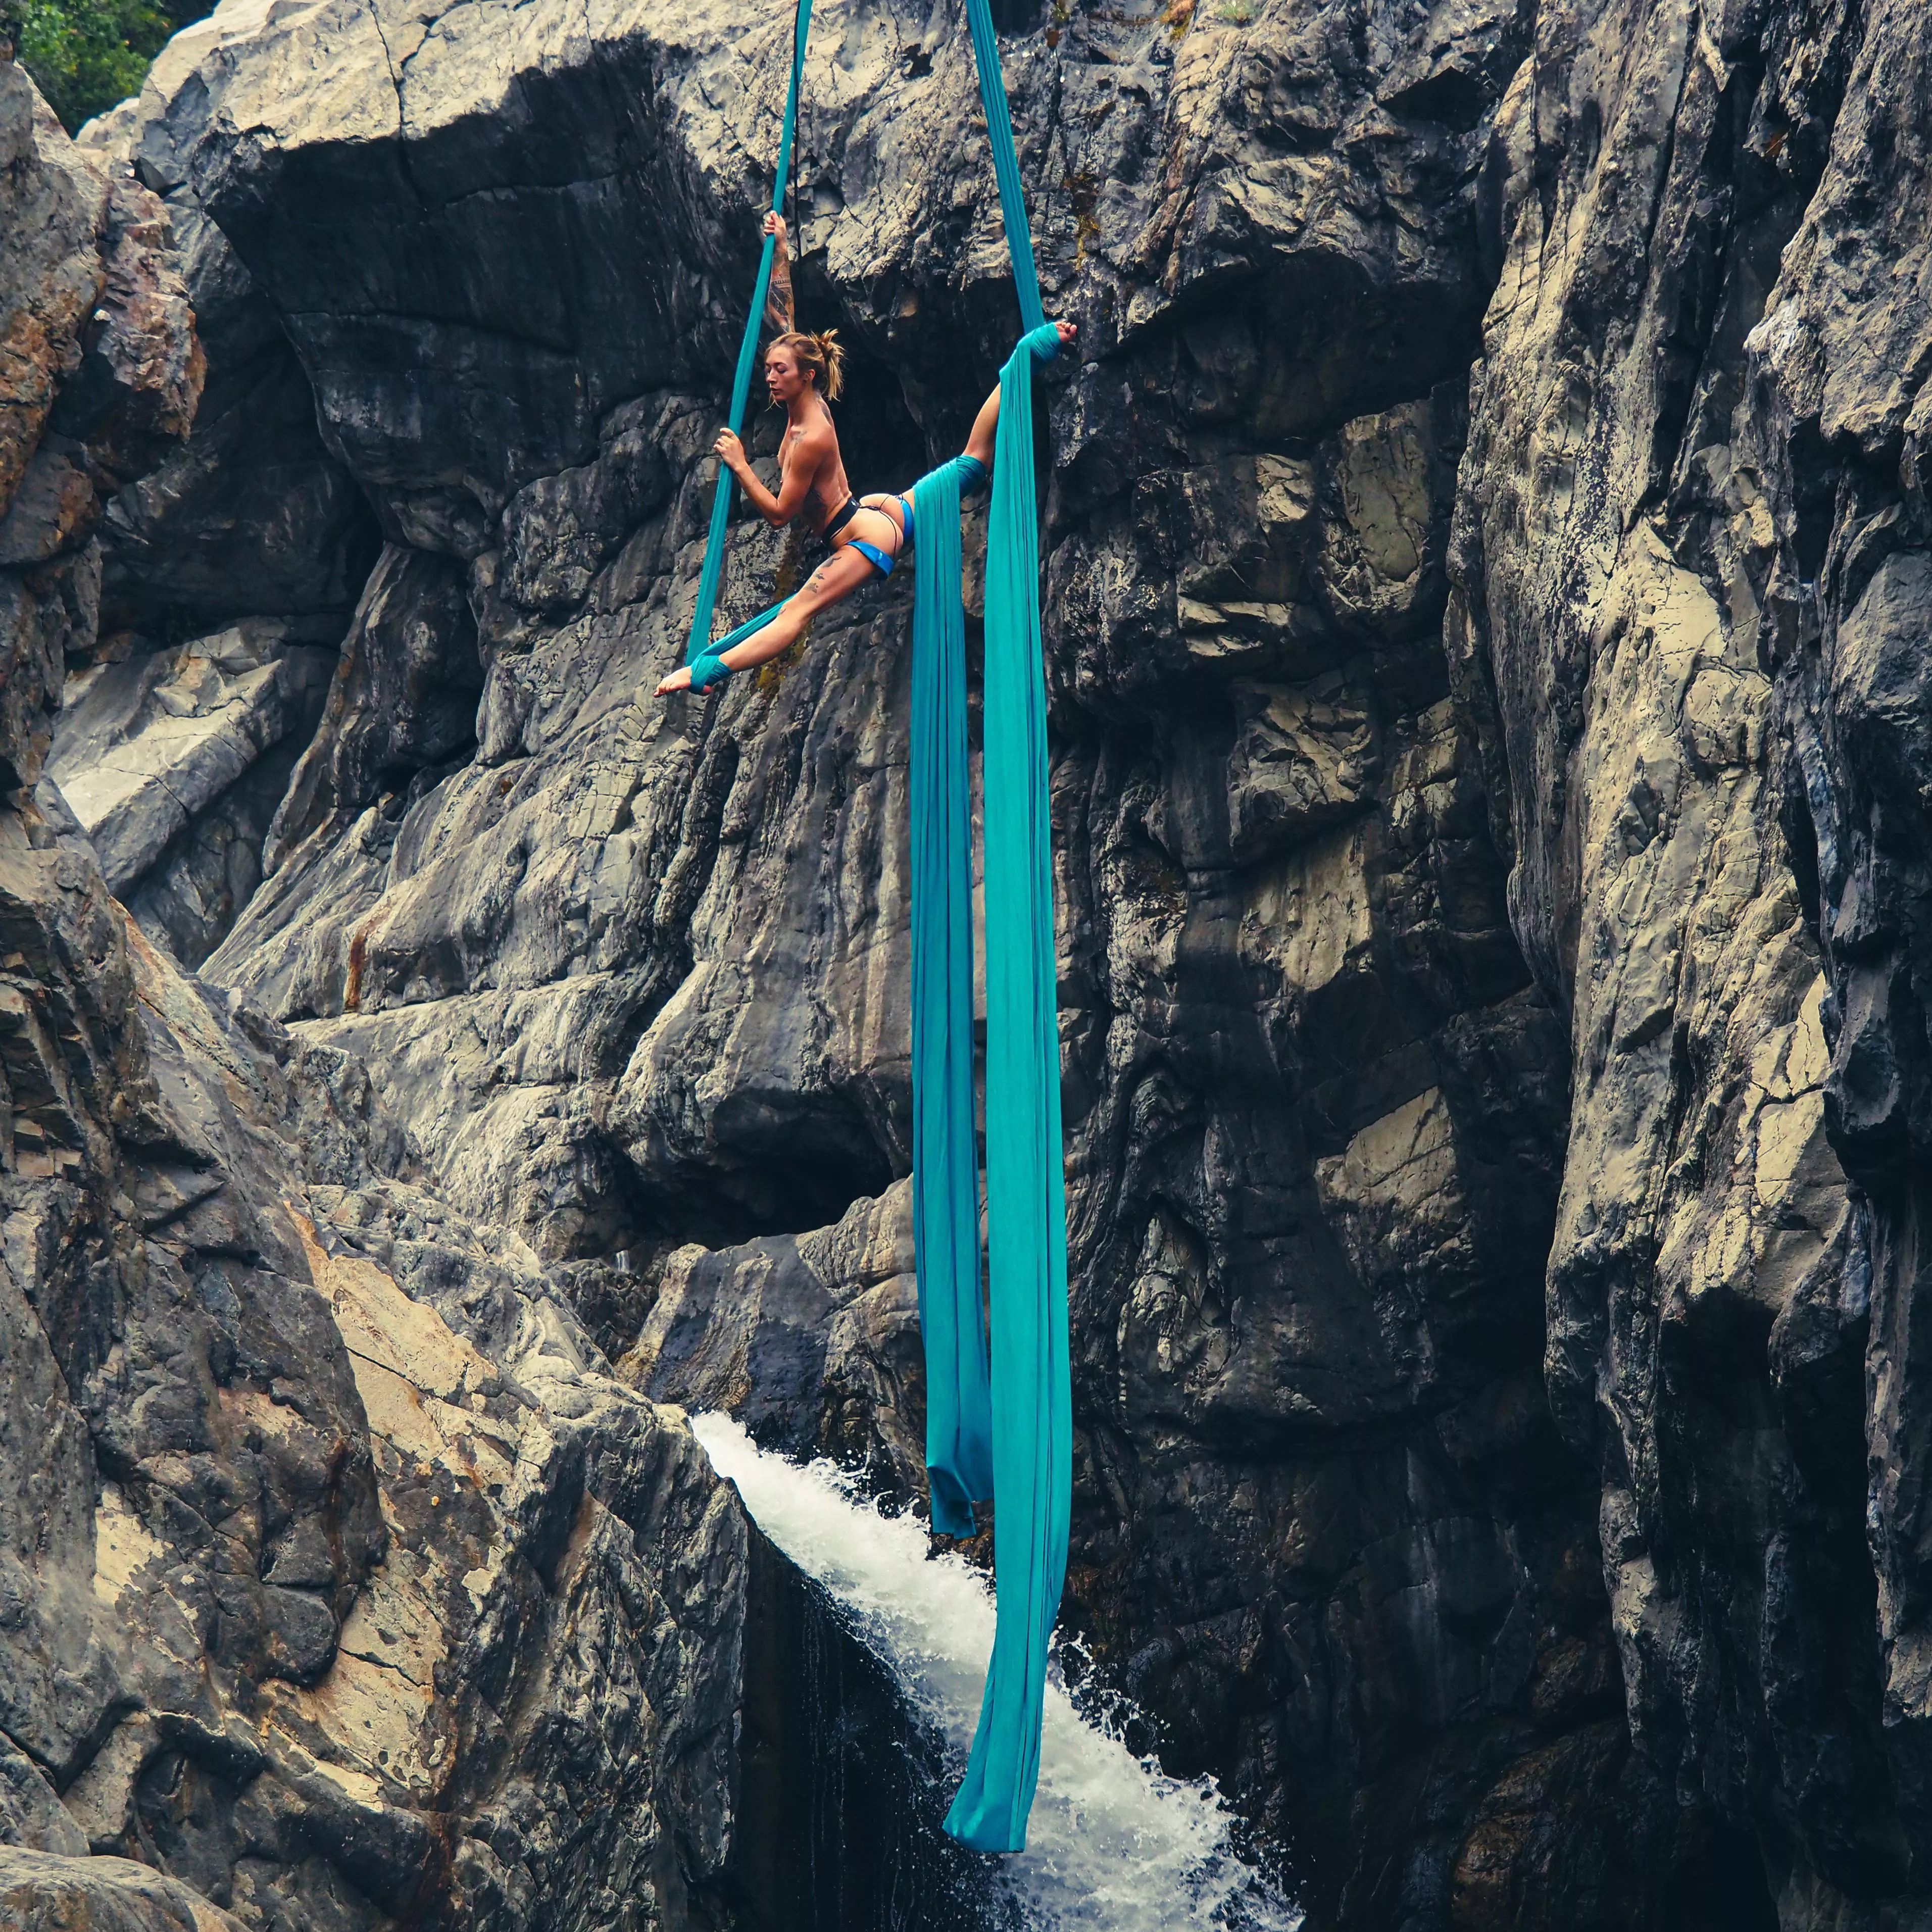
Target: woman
(849,538)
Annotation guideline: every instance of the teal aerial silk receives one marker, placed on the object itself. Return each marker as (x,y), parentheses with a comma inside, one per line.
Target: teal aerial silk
(1032,1419)
(741,381)
(945,1165)
(999,1427)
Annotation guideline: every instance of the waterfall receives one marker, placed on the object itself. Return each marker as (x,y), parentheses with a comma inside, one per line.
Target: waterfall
(1114,1844)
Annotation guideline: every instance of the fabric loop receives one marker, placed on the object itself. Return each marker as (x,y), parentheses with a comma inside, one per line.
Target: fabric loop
(969,471)
(1041,343)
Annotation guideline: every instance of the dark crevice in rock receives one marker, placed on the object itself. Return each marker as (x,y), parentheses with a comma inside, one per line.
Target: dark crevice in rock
(840,1787)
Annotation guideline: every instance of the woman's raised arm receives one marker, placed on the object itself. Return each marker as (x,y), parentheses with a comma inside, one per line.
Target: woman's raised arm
(779,303)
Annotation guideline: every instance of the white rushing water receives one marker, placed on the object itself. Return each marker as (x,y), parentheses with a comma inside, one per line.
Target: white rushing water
(1112,1842)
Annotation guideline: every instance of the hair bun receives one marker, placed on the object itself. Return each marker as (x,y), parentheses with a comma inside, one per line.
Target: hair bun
(833,350)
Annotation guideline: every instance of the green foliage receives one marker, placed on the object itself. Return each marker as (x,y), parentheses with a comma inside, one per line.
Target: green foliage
(86,55)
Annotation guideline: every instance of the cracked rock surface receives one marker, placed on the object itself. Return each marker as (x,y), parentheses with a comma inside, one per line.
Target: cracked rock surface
(1486,548)
(341,1584)
(346,1576)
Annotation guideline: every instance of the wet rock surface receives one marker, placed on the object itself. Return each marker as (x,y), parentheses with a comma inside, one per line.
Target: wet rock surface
(841,1791)
(1485,557)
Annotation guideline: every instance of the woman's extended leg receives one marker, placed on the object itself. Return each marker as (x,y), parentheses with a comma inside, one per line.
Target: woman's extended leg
(985,425)
(837,576)
(978,443)
(985,431)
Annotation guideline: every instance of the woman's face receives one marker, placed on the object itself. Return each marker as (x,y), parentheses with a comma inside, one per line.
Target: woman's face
(783,379)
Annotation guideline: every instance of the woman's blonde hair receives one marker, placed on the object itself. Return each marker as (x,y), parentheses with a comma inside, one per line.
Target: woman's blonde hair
(819,351)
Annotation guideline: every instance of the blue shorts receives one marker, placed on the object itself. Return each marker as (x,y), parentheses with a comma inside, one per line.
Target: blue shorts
(876,556)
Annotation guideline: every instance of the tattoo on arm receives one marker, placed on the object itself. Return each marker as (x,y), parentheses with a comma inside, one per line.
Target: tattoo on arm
(777,303)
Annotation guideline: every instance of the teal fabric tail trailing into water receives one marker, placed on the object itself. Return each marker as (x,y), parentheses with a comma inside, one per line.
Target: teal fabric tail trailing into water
(1028,1407)
(1026,1207)
(748,356)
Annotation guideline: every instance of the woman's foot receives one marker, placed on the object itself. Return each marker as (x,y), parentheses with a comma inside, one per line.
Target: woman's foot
(678,680)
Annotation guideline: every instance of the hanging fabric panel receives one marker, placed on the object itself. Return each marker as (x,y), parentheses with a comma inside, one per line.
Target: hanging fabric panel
(946,1167)
(1026,1207)
(1031,1403)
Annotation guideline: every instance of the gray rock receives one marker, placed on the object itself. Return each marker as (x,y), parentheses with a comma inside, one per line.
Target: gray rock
(1304,756)
(1491,871)
(51,274)
(344,1576)
(54,506)
(102,360)
(311,1610)
(146,746)
(812,1341)
(558,531)
(403,697)
(38,622)
(1707,724)
(42,1892)
(190,898)
(30,1813)
(253,518)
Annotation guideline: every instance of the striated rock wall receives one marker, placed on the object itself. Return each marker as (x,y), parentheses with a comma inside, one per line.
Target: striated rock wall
(1685,559)
(633,974)
(317,1605)
(1485,612)
(341,1585)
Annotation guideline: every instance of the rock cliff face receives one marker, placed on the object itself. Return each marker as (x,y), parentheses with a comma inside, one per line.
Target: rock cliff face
(1690,560)
(340,1584)
(1485,556)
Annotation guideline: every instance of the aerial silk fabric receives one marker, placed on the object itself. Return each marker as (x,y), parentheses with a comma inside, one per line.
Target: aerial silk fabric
(945,1165)
(1032,1422)
(1001,1427)
(1030,1410)
(699,645)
